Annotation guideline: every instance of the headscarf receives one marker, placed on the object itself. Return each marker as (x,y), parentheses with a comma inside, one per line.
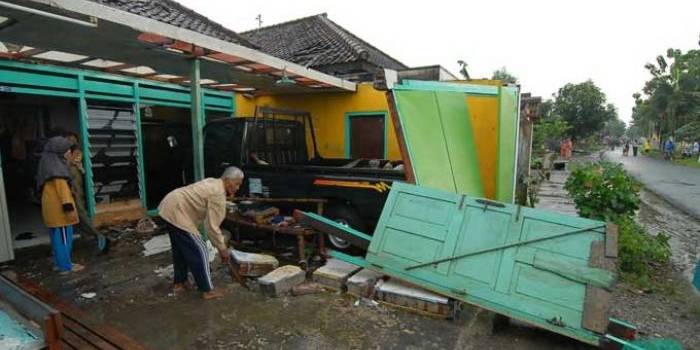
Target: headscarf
(53,162)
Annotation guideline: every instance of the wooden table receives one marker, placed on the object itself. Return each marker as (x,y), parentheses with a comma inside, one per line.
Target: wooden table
(301,232)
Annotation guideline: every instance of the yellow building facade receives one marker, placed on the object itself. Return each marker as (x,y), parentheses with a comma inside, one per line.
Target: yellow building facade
(330,113)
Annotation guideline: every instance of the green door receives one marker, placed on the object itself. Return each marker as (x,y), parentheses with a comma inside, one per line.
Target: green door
(529,264)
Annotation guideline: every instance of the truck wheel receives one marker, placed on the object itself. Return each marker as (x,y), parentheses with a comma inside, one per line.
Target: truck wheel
(345,216)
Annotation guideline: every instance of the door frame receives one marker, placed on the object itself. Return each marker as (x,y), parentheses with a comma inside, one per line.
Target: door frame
(7,249)
(348,127)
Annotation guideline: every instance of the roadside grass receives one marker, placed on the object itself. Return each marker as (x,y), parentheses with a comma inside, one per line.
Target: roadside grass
(689,162)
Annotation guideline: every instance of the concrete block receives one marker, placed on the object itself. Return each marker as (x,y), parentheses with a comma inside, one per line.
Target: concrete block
(281,280)
(334,274)
(413,298)
(362,283)
(253,265)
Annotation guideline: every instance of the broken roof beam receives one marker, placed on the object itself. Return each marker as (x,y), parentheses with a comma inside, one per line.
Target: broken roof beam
(147,25)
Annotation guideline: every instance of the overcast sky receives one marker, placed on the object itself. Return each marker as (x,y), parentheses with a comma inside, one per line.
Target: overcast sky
(546,44)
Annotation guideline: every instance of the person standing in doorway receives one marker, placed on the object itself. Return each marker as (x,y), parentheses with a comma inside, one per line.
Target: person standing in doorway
(184,210)
(57,202)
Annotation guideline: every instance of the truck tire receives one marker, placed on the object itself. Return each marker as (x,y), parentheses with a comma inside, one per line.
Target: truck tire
(344,215)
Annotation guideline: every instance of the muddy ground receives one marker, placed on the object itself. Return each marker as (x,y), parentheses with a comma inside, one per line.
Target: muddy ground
(670,308)
(133,298)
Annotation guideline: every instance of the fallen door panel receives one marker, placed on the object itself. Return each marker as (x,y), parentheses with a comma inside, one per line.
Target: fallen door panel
(540,267)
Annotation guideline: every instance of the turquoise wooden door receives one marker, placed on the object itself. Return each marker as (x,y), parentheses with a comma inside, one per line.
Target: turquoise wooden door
(528,264)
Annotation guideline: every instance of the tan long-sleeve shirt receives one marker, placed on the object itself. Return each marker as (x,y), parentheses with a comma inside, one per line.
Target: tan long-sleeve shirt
(201,202)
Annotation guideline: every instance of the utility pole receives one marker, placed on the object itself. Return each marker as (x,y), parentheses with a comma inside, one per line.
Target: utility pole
(259,19)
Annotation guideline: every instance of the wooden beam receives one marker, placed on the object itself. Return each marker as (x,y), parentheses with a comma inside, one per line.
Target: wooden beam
(152,26)
(398,129)
(153,38)
(227,58)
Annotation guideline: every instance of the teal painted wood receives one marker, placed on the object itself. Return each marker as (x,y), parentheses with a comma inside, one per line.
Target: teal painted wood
(38,79)
(471,89)
(197,121)
(508,121)
(139,151)
(85,140)
(525,282)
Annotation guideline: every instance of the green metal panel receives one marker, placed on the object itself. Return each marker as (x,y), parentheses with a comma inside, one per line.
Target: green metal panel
(528,264)
(438,135)
(508,120)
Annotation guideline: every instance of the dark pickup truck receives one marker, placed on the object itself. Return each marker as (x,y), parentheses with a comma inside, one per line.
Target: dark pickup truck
(280,160)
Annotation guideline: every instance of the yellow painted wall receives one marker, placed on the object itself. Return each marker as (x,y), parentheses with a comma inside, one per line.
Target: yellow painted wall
(484,116)
(328,113)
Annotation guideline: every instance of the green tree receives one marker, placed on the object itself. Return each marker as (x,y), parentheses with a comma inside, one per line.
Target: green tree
(584,107)
(502,74)
(548,132)
(614,128)
(669,103)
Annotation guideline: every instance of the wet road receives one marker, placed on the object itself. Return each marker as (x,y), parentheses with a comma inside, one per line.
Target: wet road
(677,184)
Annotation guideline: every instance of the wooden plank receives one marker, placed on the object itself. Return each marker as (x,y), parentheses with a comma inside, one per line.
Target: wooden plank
(596,309)
(114,218)
(598,258)
(393,112)
(596,304)
(611,240)
(118,205)
(86,334)
(108,333)
(75,341)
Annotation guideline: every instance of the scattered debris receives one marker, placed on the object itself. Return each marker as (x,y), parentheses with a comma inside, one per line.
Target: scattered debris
(362,283)
(157,245)
(335,273)
(366,302)
(89,295)
(281,280)
(146,226)
(165,271)
(253,265)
